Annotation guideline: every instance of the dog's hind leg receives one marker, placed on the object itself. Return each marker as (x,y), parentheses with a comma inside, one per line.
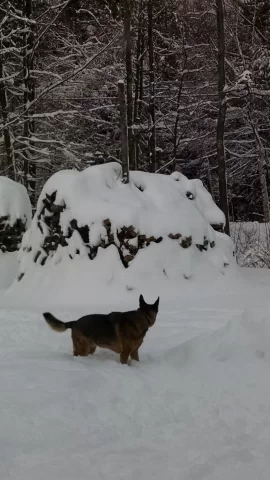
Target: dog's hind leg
(92,347)
(135,355)
(124,356)
(76,347)
(81,345)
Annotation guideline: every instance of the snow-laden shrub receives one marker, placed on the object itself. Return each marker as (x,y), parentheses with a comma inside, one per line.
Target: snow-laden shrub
(15,214)
(79,213)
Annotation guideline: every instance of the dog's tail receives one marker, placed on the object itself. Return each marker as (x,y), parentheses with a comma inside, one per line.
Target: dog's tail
(56,324)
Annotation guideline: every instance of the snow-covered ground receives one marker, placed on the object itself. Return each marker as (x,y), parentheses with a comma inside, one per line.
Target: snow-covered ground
(196,406)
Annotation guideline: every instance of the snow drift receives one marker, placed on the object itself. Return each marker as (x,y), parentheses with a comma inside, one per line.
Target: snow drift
(239,342)
(15,214)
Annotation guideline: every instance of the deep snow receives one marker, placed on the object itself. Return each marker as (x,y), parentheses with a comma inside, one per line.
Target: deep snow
(196,406)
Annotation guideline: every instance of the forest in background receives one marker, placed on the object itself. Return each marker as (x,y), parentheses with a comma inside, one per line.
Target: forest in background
(60,64)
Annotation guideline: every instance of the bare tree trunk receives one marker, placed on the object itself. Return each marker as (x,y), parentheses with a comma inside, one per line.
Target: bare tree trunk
(140,101)
(152,109)
(141,83)
(128,44)
(124,131)
(29,95)
(222,115)
(262,166)
(139,67)
(10,163)
(210,181)
(177,119)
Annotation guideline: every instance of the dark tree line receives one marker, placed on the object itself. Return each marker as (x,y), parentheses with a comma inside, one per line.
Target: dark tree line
(197,84)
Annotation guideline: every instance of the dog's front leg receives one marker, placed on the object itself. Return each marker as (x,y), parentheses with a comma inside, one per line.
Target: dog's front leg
(135,355)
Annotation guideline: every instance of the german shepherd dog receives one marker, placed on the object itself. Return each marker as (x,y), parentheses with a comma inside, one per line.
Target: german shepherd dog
(121,332)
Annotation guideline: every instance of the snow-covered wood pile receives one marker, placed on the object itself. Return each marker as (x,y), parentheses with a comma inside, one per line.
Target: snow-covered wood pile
(79,213)
(15,214)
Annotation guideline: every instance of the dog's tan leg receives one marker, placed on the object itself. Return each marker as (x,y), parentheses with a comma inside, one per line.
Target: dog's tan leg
(135,355)
(124,356)
(81,345)
(75,344)
(84,347)
(92,347)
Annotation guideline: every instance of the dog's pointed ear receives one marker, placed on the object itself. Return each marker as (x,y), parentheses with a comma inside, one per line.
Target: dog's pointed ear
(156,304)
(141,301)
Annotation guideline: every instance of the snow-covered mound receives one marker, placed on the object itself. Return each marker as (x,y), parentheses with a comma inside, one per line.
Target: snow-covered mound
(240,341)
(150,221)
(15,214)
